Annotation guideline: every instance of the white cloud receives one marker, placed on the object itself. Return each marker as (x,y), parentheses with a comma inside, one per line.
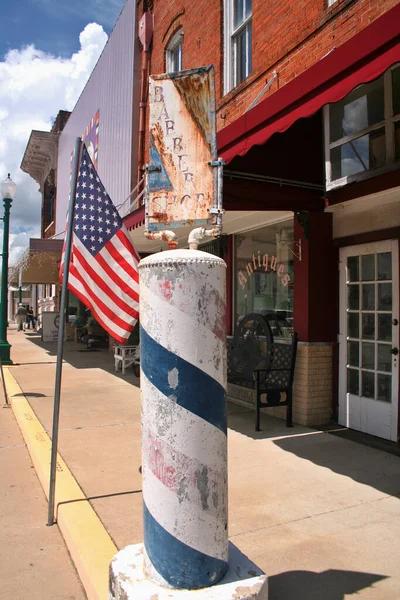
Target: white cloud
(34,87)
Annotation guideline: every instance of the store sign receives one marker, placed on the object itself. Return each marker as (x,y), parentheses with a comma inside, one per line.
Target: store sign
(181,185)
(263,263)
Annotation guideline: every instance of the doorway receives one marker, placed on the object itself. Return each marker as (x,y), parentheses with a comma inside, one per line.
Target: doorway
(369,338)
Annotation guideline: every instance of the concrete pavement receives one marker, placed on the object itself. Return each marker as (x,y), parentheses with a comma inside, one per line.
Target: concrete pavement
(34,562)
(319,514)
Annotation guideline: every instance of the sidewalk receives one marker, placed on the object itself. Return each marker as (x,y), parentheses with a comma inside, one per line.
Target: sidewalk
(319,514)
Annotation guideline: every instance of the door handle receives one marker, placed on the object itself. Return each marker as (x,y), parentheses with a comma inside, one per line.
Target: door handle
(394,351)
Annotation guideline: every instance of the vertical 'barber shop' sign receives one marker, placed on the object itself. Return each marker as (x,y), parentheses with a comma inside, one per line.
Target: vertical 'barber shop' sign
(181,184)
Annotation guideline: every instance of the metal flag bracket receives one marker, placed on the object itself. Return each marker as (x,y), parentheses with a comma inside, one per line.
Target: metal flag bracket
(297,254)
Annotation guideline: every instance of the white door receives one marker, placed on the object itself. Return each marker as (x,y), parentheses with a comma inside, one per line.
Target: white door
(369,338)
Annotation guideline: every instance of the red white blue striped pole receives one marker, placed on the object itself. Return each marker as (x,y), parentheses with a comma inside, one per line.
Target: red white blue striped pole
(184,444)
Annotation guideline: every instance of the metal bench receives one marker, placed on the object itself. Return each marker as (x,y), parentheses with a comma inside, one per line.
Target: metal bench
(257,361)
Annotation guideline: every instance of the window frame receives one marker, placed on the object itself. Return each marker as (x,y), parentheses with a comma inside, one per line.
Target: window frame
(388,124)
(230,53)
(175,43)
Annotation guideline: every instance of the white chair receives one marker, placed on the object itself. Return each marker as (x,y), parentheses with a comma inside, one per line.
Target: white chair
(124,356)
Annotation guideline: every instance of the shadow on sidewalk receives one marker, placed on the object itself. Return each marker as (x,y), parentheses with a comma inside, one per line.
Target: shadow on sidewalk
(329,585)
(368,466)
(241,419)
(77,355)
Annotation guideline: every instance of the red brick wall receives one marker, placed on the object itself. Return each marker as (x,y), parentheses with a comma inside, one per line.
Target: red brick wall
(288,37)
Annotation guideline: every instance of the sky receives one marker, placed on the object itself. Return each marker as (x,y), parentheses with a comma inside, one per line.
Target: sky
(47,51)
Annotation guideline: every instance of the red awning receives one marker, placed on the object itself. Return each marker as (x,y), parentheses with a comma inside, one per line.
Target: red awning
(360,60)
(134,219)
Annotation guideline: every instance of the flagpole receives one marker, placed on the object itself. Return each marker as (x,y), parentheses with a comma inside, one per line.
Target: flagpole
(60,344)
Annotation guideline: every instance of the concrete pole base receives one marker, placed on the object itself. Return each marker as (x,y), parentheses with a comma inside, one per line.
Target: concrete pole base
(243,581)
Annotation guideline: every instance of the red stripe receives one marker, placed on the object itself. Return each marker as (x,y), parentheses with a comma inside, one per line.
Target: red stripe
(124,287)
(103,307)
(132,272)
(88,270)
(126,240)
(87,303)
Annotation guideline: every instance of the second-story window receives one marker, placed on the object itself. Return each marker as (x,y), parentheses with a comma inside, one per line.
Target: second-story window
(238,42)
(362,131)
(173,53)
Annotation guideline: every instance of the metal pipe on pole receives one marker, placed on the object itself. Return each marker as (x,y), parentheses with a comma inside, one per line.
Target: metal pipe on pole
(60,343)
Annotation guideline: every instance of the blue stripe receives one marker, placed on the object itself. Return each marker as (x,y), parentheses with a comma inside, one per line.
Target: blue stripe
(196,391)
(180,565)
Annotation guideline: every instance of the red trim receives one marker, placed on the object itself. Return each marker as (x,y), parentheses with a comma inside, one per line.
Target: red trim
(363,58)
(134,219)
(376,235)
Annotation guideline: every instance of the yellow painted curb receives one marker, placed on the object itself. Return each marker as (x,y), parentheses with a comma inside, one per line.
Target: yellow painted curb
(88,542)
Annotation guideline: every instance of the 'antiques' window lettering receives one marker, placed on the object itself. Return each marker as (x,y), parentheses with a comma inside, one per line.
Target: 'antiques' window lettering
(264,274)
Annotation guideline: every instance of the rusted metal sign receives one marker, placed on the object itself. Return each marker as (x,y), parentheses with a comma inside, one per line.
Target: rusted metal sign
(182,177)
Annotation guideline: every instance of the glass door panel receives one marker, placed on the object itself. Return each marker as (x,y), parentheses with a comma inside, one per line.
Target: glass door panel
(369,333)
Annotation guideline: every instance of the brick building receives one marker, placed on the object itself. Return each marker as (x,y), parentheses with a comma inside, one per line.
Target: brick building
(308,113)
(308,119)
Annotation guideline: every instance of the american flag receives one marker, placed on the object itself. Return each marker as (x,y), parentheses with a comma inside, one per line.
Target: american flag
(103,270)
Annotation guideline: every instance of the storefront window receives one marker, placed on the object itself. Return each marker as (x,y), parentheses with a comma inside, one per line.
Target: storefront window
(264,281)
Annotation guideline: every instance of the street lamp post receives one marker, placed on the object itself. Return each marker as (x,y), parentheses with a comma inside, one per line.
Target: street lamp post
(8,188)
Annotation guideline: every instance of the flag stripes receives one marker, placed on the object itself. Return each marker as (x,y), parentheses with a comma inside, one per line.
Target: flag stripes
(103,267)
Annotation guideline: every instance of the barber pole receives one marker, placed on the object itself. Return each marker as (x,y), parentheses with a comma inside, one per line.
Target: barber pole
(184,444)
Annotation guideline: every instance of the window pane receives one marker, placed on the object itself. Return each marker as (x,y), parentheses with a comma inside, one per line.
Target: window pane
(365,153)
(396,90)
(352,268)
(247,10)
(243,53)
(362,108)
(368,326)
(353,298)
(385,327)
(368,296)
(368,267)
(384,357)
(237,13)
(353,354)
(384,265)
(353,325)
(368,356)
(249,49)
(384,388)
(384,296)
(264,273)
(352,382)
(367,384)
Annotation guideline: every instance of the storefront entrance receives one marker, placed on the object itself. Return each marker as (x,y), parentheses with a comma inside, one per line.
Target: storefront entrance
(369,338)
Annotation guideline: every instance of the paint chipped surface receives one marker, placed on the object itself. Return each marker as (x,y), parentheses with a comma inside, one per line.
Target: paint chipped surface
(173,378)
(183,187)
